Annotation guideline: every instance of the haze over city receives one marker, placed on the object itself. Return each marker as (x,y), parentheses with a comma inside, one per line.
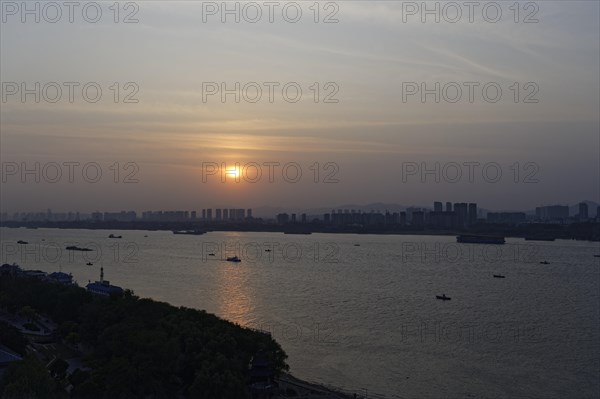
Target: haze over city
(371,133)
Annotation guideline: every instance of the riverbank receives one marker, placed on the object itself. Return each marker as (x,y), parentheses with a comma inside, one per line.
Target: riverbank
(589,231)
(75,322)
(308,390)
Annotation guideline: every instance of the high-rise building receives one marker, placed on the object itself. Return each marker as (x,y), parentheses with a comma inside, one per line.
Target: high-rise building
(240,214)
(418,218)
(293,218)
(218,215)
(225,214)
(231,214)
(552,213)
(203,214)
(193,215)
(462,214)
(512,218)
(448,206)
(283,218)
(472,213)
(249,213)
(583,211)
(402,218)
(437,206)
(209,214)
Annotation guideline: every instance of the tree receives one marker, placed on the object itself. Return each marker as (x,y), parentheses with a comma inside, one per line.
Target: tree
(28,379)
(58,369)
(29,313)
(12,338)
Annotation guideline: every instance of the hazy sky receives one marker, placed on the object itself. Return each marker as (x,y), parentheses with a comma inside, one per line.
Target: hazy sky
(369,140)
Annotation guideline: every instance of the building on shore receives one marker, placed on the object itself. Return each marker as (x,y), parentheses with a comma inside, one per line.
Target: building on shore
(583,212)
(62,278)
(552,213)
(262,376)
(103,287)
(510,218)
(7,357)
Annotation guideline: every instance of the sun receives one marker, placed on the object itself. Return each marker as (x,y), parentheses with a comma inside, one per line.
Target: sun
(233,173)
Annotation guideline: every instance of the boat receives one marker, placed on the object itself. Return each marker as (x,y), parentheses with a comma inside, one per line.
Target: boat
(596,256)
(544,262)
(357,245)
(233,259)
(190,232)
(475,239)
(22,242)
(539,238)
(145,236)
(76,248)
(499,276)
(267,250)
(114,236)
(443,297)
(211,254)
(89,264)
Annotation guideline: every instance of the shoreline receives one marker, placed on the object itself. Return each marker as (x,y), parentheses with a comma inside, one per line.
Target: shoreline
(288,384)
(589,232)
(309,389)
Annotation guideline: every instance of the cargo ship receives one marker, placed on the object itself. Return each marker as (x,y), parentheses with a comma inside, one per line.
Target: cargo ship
(539,238)
(190,232)
(473,239)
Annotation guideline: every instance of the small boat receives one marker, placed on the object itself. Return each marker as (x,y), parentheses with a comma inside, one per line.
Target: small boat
(89,264)
(357,245)
(596,256)
(267,250)
(233,259)
(114,236)
(22,242)
(211,254)
(145,235)
(544,262)
(499,276)
(443,297)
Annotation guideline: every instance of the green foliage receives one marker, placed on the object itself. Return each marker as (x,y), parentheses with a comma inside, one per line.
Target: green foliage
(29,313)
(78,377)
(58,369)
(12,338)
(31,326)
(29,379)
(143,348)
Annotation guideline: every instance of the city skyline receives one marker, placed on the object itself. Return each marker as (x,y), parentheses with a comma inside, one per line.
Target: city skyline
(581,211)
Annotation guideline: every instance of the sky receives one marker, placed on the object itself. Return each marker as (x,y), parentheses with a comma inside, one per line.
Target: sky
(361,131)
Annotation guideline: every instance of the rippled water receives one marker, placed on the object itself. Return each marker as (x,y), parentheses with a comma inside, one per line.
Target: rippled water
(364,317)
